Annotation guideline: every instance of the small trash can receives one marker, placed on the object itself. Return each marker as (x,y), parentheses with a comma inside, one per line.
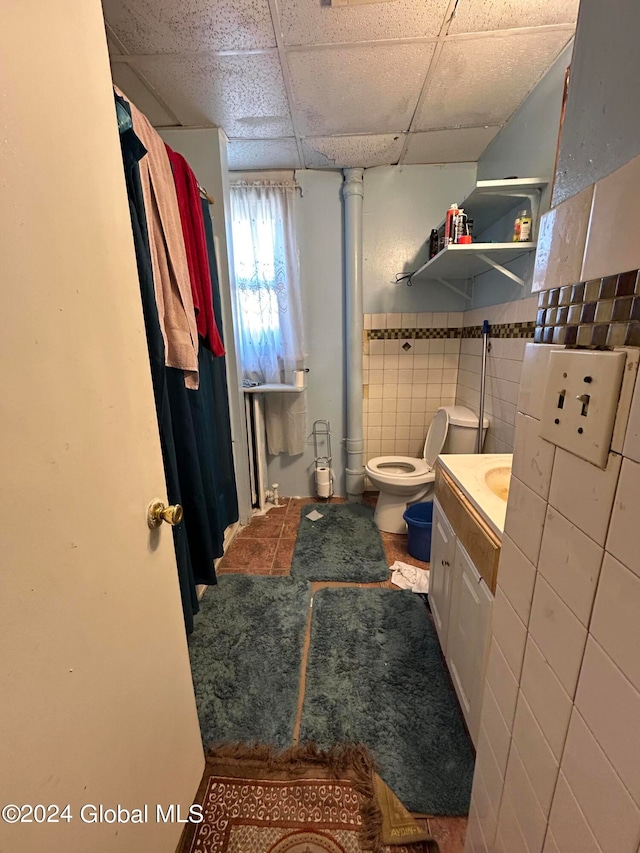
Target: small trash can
(419,518)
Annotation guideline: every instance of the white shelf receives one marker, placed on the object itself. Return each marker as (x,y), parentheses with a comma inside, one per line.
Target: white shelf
(273,388)
(491,200)
(464,261)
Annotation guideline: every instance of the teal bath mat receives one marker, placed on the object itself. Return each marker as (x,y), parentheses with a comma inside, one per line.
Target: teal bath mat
(375,675)
(246,653)
(343,545)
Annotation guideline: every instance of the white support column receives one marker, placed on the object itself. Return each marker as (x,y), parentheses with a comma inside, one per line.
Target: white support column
(353,193)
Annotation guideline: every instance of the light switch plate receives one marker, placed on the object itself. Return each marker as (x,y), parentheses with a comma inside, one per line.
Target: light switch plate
(581,401)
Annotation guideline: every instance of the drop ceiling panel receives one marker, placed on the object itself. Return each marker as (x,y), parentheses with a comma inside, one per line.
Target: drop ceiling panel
(482,81)
(245,154)
(167,26)
(357,89)
(311,22)
(126,80)
(474,16)
(463,145)
(335,152)
(243,94)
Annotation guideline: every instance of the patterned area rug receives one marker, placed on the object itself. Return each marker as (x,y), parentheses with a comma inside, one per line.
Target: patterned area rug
(301,801)
(343,545)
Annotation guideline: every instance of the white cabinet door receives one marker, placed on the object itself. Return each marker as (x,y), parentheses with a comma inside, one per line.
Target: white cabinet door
(443,542)
(469,623)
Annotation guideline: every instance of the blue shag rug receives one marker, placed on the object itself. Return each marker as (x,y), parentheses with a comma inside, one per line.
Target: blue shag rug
(343,545)
(246,653)
(375,675)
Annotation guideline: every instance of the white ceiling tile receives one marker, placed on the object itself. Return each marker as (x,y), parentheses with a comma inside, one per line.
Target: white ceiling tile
(357,89)
(245,154)
(463,145)
(481,81)
(339,152)
(167,26)
(243,94)
(474,16)
(311,22)
(128,81)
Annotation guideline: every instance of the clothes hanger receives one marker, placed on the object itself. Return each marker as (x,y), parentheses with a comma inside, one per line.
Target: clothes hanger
(205,194)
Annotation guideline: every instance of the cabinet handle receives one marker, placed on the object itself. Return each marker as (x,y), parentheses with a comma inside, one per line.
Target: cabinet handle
(444,562)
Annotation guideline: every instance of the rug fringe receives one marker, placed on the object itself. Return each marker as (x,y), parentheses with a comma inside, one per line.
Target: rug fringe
(352,758)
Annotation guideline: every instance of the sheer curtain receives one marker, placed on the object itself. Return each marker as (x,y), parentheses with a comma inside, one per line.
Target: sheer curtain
(269,313)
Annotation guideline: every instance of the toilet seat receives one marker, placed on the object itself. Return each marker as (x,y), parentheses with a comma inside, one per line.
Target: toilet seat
(398,466)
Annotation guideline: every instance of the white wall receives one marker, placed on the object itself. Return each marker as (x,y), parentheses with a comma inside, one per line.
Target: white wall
(401,206)
(525,147)
(319,232)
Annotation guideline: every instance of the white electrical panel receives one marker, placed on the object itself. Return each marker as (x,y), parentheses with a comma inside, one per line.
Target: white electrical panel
(581,401)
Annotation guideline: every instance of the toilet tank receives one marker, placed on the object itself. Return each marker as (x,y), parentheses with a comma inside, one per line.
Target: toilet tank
(463,430)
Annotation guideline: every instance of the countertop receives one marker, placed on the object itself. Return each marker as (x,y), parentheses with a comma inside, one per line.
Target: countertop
(469,472)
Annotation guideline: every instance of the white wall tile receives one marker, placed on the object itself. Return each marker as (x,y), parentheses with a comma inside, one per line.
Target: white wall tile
(492,774)
(516,577)
(509,632)
(570,561)
(611,246)
(558,634)
(509,836)
(632,438)
(533,378)
(378,321)
(455,319)
(584,493)
(367,321)
(532,456)
(483,812)
(535,753)
(518,788)
(561,240)
(394,321)
(495,729)
(424,320)
(626,395)
(501,681)
(408,321)
(439,320)
(568,828)
(614,623)
(622,541)
(525,519)
(608,807)
(610,706)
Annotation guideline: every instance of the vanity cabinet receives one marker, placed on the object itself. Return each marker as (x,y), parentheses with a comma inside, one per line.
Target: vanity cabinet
(443,544)
(468,636)
(461,603)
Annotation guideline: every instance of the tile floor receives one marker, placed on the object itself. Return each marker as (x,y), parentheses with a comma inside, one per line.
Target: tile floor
(265,547)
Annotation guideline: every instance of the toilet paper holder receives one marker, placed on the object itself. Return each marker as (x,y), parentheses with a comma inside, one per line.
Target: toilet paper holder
(323,469)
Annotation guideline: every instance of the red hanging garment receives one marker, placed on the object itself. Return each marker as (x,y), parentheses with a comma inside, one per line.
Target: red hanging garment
(196,247)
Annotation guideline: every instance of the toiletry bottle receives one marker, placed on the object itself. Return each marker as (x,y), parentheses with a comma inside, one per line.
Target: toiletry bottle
(460,226)
(522,227)
(449,224)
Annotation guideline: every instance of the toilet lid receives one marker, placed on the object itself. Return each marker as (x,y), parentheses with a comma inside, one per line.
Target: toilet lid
(436,437)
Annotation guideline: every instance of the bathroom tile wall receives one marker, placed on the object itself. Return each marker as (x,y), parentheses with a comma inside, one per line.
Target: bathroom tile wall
(563,673)
(410,370)
(415,363)
(504,365)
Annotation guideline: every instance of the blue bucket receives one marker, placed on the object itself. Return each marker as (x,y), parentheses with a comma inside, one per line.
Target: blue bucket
(419,518)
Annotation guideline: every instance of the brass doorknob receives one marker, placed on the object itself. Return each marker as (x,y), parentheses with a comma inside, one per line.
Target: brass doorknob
(159,512)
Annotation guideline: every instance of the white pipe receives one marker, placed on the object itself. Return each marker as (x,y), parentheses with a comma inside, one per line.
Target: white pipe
(353,193)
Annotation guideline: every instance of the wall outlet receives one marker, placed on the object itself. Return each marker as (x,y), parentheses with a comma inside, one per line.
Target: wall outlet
(581,400)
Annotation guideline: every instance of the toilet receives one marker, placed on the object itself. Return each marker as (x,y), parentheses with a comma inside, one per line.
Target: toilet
(404,480)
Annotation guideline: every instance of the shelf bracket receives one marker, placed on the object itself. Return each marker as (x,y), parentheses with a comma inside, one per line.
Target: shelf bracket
(499,268)
(455,289)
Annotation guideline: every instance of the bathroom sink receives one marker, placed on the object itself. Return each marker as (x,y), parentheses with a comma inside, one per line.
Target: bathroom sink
(497,479)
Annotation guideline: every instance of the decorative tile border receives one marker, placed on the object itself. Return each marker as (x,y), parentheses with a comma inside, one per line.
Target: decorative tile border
(497,330)
(604,312)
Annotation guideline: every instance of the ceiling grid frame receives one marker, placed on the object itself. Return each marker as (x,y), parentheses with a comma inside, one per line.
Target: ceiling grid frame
(346,144)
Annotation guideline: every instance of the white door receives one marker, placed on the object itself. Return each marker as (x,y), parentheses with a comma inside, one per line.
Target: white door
(96,698)
(443,543)
(468,635)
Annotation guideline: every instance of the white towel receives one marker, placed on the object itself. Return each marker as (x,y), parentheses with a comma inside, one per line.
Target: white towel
(410,577)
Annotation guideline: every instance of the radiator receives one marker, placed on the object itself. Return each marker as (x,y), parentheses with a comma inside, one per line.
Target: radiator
(257,440)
